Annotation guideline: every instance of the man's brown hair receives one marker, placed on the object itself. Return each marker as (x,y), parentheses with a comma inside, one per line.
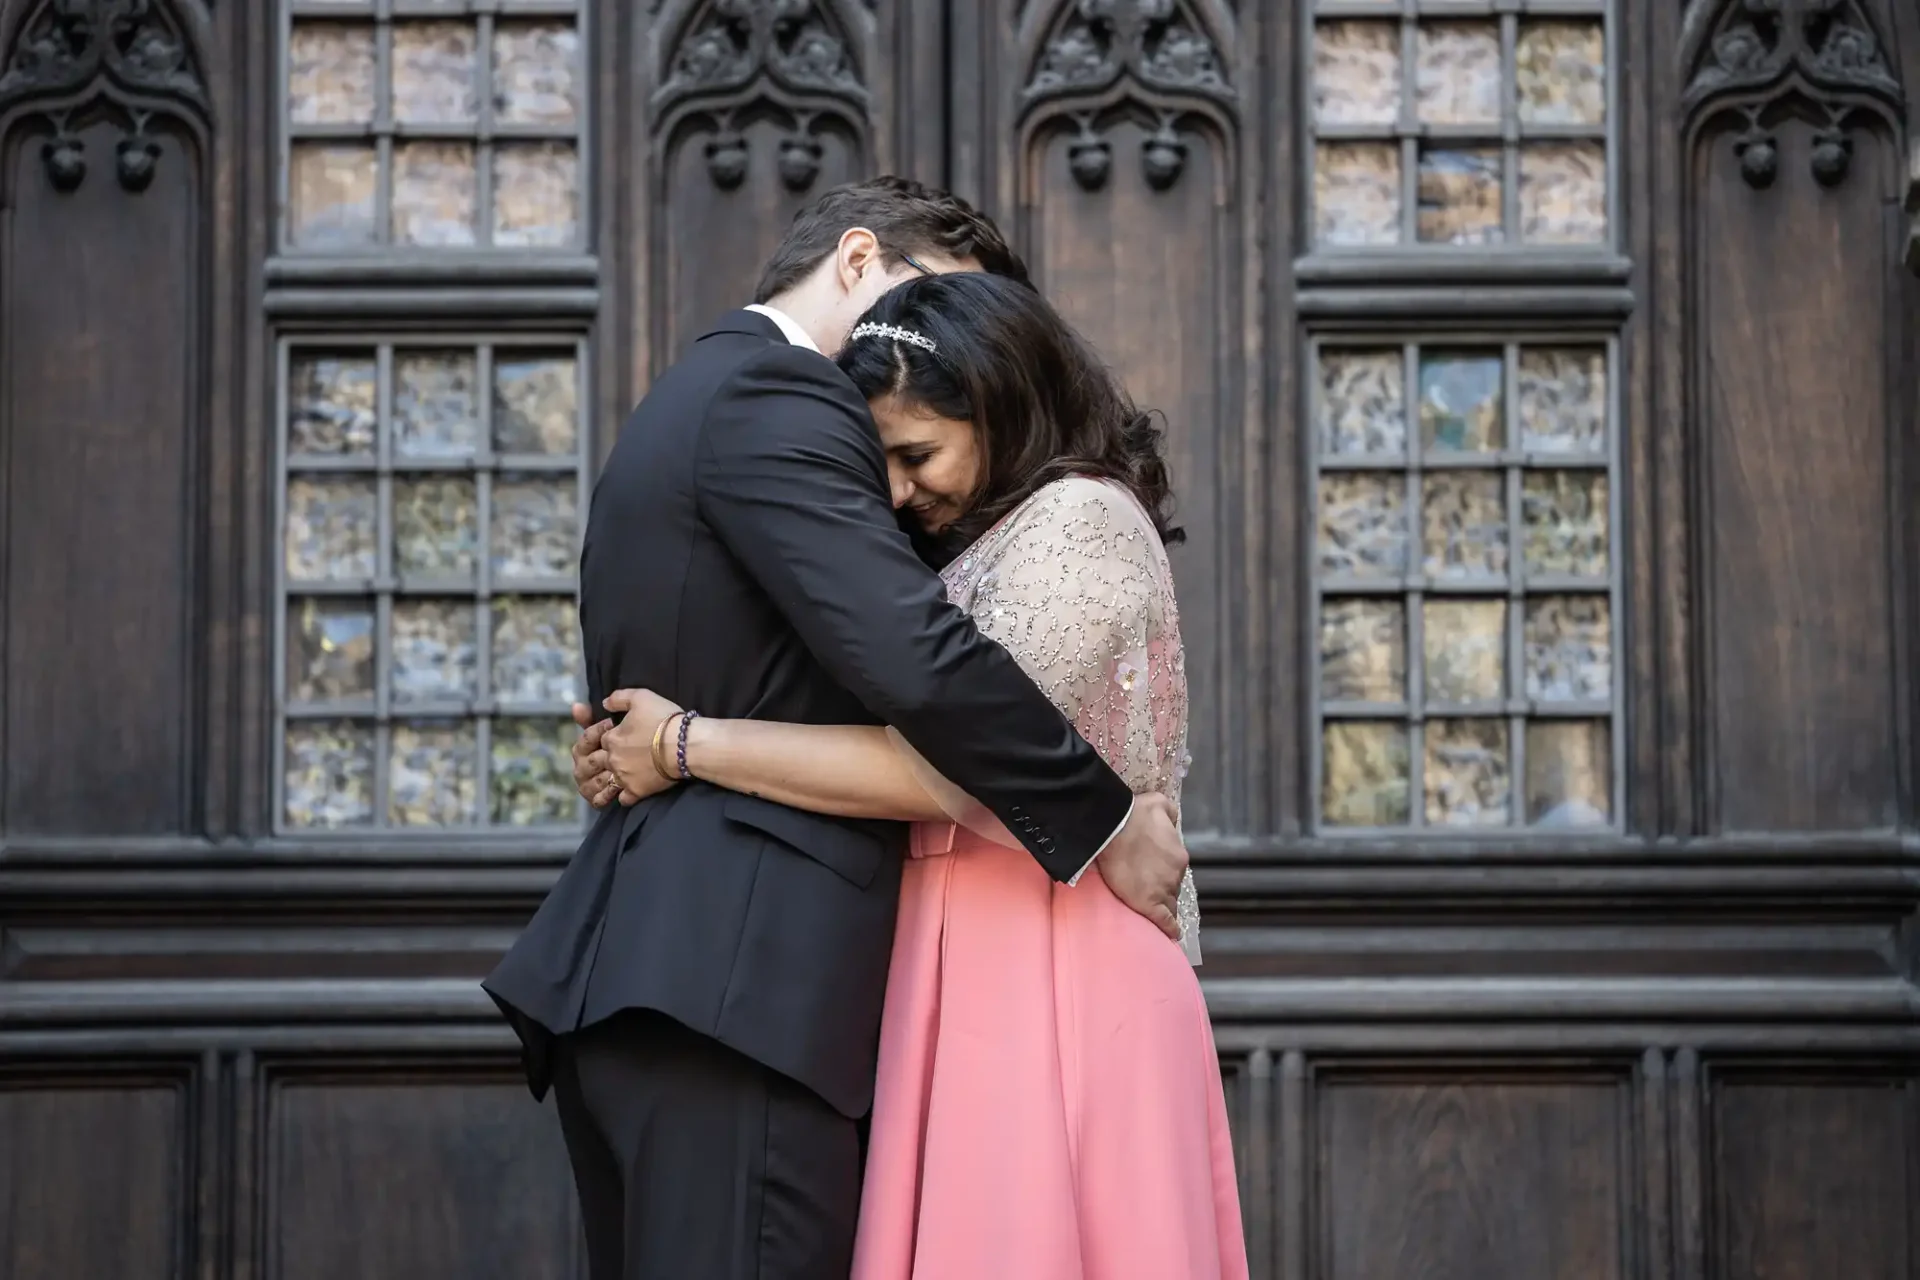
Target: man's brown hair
(906,217)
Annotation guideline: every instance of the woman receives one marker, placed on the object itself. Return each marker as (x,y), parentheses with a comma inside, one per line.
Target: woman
(1048,1103)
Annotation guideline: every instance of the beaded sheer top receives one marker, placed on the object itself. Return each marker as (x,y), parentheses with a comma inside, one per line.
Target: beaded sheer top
(1075,584)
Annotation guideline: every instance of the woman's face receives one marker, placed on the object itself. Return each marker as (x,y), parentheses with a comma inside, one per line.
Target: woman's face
(933,463)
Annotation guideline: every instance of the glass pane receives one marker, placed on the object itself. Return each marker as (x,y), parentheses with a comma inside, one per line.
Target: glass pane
(434,186)
(1560,73)
(1365,780)
(331,197)
(331,529)
(535,73)
(433,73)
(1569,773)
(1563,193)
(532,772)
(329,650)
(1565,523)
(436,406)
(535,404)
(1460,196)
(536,196)
(433,774)
(1363,525)
(329,778)
(1464,644)
(434,655)
(1563,399)
(1457,73)
(1463,517)
(1363,651)
(536,646)
(1363,403)
(436,528)
(330,73)
(1467,774)
(1356,73)
(331,407)
(536,527)
(1460,402)
(1356,193)
(1569,641)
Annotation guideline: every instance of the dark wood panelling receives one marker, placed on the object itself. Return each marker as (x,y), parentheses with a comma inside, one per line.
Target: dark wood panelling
(1814,1175)
(698,285)
(748,115)
(98,1173)
(100,401)
(1442,1173)
(433,1171)
(1791,413)
(1128,191)
(1086,254)
(1795,423)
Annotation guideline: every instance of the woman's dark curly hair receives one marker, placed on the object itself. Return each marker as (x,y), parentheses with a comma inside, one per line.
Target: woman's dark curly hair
(1042,405)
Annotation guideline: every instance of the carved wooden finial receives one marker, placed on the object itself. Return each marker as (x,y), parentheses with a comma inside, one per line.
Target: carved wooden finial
(1752,57)
(732,54)
(133,53)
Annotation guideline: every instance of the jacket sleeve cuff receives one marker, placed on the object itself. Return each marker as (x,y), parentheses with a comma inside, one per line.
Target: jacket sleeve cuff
(1102,849)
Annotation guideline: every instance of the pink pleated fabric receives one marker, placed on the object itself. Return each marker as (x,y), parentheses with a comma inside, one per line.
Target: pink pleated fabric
(1049,1103)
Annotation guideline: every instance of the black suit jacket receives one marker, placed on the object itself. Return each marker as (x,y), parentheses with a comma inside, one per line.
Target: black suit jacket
(742,558)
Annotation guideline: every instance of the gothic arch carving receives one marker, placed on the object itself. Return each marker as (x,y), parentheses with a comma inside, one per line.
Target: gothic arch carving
(135,60)
(802,59)
(1758,58)
(1089,61)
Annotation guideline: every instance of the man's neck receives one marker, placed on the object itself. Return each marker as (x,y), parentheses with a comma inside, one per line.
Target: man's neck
(798,307)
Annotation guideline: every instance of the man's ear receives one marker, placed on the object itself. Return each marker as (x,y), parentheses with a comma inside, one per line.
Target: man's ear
(857,253)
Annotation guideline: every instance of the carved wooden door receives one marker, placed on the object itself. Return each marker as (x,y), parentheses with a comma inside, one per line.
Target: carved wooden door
(1539,387)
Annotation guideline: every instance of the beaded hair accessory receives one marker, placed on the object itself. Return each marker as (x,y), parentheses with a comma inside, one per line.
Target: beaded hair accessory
(895,332)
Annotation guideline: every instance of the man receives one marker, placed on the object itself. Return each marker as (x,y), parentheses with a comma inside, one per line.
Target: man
(703,986)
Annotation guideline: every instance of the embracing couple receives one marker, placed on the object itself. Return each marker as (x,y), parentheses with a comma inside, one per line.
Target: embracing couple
(878,960)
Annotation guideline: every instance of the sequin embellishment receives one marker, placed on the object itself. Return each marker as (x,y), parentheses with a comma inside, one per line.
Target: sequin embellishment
(1076,586)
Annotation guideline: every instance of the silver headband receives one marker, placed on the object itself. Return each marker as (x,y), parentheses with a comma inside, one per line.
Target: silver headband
(892,331)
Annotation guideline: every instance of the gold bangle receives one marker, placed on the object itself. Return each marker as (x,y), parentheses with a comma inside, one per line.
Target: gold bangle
(659,745)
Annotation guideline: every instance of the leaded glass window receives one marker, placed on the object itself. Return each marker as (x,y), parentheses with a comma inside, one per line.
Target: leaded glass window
(1466,561)
(416,124)
(431,495)
(1453,123)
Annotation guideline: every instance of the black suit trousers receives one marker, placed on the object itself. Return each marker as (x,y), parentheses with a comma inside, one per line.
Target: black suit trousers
(694,1162)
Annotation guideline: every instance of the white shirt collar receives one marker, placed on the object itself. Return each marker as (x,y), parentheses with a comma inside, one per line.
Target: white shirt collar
(789,327)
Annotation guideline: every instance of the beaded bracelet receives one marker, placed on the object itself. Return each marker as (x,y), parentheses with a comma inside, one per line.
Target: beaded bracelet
(686,718)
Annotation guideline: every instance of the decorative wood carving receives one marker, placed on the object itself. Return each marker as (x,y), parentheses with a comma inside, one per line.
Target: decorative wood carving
(1098,42)
(730,55)
(1155,53)
(70,54)
(1913,209)
(1755,55)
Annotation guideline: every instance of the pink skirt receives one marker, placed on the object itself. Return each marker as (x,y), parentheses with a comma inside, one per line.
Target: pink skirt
(1049,1104)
